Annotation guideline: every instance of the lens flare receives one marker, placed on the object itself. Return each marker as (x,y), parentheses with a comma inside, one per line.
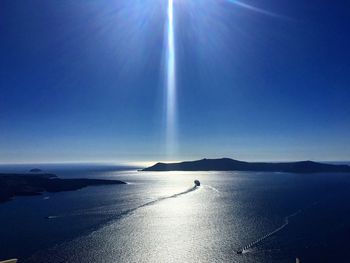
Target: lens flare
(170,82)
(255,9)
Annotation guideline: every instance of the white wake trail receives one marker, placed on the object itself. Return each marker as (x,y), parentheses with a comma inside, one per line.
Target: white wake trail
(212,188)
(261,239)
(112,213)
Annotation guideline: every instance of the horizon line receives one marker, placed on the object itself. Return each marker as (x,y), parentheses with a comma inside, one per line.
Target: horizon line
(138,164)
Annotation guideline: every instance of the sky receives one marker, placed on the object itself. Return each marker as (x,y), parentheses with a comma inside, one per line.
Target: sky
(84,81)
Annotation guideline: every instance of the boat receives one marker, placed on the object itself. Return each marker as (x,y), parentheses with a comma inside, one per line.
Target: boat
(239,252)
(197,182)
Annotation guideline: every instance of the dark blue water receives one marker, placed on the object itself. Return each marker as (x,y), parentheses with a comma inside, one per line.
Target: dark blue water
(160,217)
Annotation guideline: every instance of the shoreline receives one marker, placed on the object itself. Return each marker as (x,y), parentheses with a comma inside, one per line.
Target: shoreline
(24,184)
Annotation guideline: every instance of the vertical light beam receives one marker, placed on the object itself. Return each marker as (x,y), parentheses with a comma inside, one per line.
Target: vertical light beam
(170,83)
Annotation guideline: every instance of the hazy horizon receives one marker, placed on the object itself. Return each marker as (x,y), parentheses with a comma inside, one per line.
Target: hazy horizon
(140,164)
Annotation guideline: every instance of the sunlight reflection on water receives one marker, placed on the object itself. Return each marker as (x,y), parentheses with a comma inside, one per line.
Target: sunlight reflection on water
(157,218)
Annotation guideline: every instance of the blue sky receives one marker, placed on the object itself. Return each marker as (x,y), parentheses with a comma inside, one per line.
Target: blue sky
(84,80)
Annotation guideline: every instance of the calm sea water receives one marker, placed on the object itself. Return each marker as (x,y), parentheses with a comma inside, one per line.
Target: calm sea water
(160,217)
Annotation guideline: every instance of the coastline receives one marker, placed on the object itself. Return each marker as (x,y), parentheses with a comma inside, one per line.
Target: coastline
(18,184)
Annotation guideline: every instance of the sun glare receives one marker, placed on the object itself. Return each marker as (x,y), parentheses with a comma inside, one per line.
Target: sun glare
(170,82)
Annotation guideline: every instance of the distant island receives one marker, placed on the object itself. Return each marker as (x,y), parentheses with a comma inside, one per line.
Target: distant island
(35,170)
(12,185)
(227,164)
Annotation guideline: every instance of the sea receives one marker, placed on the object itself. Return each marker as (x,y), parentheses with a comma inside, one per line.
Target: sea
(163,217)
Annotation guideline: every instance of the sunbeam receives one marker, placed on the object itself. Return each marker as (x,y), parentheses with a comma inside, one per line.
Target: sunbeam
(170,82)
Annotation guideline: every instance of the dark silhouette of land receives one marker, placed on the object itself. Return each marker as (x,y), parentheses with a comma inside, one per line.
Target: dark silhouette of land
(12,185)
(227,164)
(35,170)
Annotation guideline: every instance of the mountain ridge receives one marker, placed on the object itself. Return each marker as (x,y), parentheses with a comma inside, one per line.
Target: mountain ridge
(228,164)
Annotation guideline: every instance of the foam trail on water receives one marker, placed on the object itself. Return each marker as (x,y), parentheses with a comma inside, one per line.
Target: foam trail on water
(167,197)
(132,210)
(67,250)
(126,212)
(261,239)
(212,188)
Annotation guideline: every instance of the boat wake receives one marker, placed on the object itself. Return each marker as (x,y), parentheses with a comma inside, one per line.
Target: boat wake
(212,188)
(165,198)
(248,247)
(113,215)
(69,246)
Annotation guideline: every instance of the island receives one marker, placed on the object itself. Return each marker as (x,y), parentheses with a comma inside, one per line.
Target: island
(12,185)
(35,170)
(227,164)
